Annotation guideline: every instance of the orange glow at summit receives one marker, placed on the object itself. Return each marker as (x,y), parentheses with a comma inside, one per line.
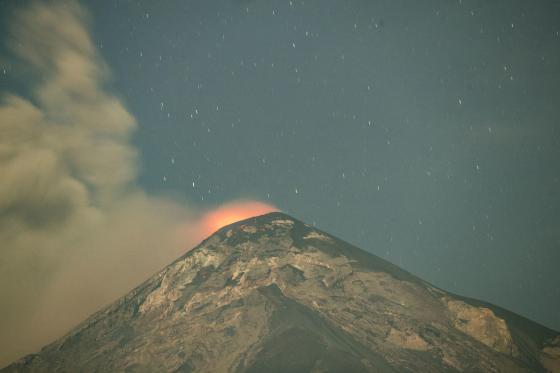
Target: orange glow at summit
(232,212)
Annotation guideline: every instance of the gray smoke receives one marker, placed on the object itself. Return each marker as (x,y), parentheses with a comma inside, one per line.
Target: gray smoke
(75,230)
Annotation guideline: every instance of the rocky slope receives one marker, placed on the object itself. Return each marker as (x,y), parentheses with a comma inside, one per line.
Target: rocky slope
(272,294)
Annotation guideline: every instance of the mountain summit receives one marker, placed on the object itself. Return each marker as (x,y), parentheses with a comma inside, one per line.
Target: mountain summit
(273,294)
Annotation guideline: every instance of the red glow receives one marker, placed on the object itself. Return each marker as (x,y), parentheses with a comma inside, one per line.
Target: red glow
(232,212)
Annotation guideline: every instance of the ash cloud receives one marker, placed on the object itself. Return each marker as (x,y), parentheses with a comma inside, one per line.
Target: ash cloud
(75,230)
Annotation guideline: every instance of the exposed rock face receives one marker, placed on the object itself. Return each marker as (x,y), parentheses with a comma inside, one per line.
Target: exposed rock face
(272,294)
(481,324)
(551,355)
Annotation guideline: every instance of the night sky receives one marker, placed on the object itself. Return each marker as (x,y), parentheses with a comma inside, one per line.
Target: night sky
(427,133)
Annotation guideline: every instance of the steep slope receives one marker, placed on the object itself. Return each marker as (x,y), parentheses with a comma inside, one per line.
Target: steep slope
(274,294)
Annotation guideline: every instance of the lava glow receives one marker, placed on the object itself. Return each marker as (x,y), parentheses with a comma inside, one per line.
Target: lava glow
(232,212)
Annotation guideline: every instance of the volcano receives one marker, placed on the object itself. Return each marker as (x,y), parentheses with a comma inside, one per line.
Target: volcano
(273,294)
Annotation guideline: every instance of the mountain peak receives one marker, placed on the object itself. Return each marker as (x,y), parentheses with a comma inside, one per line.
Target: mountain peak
(261,219)
(271,293)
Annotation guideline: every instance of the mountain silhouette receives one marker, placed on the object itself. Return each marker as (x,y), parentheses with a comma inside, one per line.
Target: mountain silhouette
(273,294)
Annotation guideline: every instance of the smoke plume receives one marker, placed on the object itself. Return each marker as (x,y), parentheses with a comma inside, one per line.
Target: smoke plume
(75,230)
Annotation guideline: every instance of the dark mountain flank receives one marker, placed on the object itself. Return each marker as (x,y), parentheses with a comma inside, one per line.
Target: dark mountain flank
(272,294)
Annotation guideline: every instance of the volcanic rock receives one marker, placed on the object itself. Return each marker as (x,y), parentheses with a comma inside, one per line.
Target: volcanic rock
(272,294)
